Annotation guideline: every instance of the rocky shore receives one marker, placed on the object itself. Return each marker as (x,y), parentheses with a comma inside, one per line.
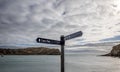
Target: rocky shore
(30,51)
(115,52)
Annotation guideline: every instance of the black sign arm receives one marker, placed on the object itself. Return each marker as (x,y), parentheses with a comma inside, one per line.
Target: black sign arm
(74,35)
(47,41)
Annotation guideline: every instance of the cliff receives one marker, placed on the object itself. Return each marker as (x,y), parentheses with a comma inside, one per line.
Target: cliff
(30,51)
(115,52)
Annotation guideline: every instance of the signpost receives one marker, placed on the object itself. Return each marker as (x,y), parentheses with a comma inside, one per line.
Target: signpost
(61,42)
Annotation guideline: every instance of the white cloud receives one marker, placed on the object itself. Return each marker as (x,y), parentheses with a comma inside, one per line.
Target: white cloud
(21,21)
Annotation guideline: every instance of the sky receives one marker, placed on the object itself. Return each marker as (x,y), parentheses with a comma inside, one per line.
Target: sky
(22,21)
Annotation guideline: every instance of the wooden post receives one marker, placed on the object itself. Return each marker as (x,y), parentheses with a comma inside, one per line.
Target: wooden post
(62,53)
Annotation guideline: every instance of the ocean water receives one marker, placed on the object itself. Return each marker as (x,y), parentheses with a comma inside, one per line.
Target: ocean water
(86,61)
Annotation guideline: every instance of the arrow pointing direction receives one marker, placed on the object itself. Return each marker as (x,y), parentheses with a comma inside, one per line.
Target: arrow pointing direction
(74,35)
(47,41)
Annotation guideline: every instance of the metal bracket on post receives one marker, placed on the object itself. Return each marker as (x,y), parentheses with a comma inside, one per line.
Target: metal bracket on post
(62,42)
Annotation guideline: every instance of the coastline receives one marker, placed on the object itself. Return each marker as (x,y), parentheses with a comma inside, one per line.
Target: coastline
(30,51)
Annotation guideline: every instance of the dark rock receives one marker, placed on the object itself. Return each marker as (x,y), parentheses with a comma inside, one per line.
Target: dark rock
(115,52)
(30,51)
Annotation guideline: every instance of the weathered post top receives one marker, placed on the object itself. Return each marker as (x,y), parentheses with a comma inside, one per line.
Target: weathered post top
(62,40)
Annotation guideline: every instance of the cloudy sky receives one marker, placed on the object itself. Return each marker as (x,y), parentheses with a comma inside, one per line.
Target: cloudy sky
(22,21)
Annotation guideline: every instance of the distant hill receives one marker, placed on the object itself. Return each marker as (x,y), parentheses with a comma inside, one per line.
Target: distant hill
(30,51)
(115,52)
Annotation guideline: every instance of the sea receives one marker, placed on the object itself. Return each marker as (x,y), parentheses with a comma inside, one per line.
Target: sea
(77,59)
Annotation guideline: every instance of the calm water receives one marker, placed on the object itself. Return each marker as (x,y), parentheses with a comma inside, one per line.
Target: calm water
(74,62)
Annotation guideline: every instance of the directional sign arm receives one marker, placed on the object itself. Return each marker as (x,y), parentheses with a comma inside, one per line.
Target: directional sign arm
(74,35)
(47,41)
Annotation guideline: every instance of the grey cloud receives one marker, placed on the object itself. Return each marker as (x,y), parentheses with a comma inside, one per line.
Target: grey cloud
(117,24)
(112,38)
(58,25)
(47,21)
(58,3)
(13,28)
(22,21)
